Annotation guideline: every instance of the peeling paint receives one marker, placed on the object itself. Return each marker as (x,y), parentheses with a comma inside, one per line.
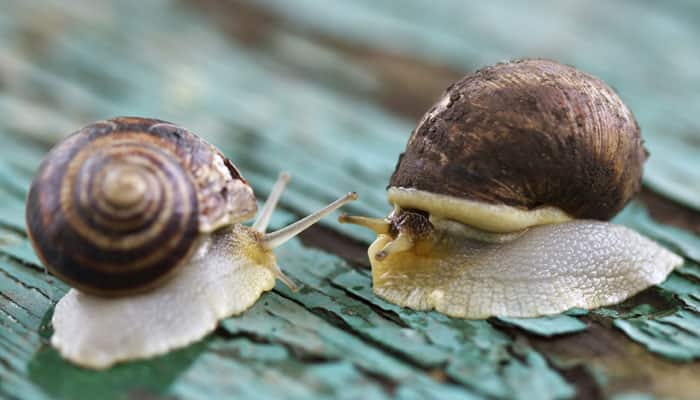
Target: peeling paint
(547,326)
(333,338)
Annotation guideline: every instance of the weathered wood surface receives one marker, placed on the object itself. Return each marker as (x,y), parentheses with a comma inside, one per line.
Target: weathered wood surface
(329,91)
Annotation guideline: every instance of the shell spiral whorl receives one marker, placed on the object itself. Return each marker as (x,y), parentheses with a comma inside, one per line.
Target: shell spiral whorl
(118,206)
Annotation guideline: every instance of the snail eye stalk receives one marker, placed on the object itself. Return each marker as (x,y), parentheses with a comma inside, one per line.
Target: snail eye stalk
(263,220)
(279,237)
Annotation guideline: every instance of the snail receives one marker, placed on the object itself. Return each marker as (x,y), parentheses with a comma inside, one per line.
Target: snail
(501,198)
(143,220)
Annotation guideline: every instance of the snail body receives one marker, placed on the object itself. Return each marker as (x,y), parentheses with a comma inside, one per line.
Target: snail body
(501,196)
(143,219)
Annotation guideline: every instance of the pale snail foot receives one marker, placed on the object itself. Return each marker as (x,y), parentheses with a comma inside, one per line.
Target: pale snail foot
(546,270)
(97,332)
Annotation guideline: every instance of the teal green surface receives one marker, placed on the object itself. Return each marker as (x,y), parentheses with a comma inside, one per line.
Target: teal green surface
(548,325)
(293,105)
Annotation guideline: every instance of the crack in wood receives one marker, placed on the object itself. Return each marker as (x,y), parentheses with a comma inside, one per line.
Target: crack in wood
(578,376)
(14,229)
(678,326)
(12,318)
(21,307)
(22,283)
(333,319)
(299,353)
(390,315)
(18,260)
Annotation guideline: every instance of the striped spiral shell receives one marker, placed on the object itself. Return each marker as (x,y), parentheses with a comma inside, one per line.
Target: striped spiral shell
(118,206)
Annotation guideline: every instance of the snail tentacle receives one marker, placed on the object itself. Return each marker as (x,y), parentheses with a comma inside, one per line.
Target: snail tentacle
(402,242)
(263,220)
(377,225)
(277,272)
(279,237)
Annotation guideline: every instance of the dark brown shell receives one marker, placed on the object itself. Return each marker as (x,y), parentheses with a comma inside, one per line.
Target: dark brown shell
(99,240)
(528,133)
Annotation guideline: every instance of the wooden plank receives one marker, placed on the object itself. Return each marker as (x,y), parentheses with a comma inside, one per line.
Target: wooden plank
(277,88)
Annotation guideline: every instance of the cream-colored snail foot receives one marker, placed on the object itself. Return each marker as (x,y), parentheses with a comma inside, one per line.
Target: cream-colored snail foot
(545,270)
(218,282)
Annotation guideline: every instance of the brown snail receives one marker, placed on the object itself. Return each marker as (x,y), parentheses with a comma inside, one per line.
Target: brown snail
(500,196)
(142,218)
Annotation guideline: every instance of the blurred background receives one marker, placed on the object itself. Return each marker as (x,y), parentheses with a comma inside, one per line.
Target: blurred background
(330,90)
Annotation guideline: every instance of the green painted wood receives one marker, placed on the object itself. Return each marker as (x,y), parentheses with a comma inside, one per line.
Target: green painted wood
(548,325)
(291,101)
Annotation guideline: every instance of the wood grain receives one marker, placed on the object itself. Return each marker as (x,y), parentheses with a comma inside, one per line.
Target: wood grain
(330,93)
